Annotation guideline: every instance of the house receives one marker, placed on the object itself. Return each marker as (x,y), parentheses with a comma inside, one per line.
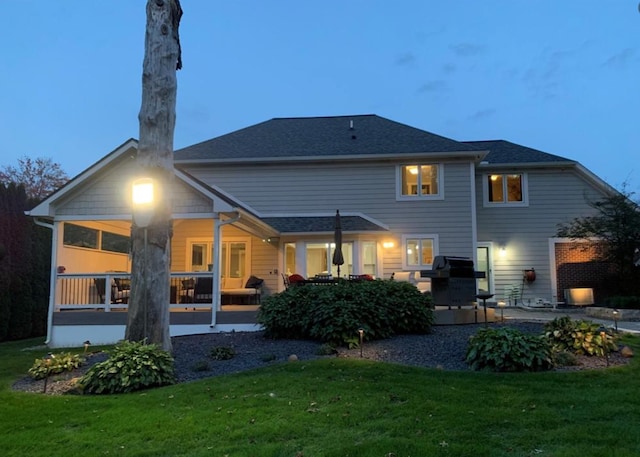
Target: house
(261,201)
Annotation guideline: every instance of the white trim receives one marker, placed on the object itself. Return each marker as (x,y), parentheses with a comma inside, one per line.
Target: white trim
(474,212)
(492,276)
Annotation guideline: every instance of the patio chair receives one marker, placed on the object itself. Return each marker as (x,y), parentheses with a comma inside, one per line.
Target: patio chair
(120,290)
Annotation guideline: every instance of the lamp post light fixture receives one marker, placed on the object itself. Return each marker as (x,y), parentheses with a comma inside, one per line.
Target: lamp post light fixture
(501,305)
(47,359)
(616,316)
(603,339)
(361,334)
(86,345)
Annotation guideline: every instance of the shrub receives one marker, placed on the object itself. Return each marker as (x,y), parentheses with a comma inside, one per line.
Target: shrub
(508,349)
(223,353)
(333,313)
(54,364)
(131,366)
(624,302)
(579,336)
(200,366)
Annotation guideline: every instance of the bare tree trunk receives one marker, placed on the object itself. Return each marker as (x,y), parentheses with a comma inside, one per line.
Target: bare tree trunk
(148,318)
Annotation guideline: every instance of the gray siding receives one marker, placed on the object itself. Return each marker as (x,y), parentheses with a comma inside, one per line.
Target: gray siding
(555,196)
(369,188)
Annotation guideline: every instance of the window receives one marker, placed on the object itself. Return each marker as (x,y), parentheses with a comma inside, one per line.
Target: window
(113,242)
(419,251)
(234,257)
(420,181)
(320,257)
(90,238)
(505,189)
(77,235)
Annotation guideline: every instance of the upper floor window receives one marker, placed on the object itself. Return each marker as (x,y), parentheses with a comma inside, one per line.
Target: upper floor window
(505,189)
(420,181)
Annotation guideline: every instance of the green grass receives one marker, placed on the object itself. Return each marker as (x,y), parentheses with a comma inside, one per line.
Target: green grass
(332,407)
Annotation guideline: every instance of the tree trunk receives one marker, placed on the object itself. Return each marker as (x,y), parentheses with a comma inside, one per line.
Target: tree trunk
(148,317)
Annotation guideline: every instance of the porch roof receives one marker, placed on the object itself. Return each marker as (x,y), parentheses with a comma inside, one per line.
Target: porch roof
(322,224)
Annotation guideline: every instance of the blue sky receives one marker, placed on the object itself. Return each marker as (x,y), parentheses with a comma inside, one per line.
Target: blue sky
(559,76)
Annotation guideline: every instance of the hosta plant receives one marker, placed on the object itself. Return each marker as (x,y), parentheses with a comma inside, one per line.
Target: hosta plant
(55,364)
(508,349)
(581,337)
(131,366)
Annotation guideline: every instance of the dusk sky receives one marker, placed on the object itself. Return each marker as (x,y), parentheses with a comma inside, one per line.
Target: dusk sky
(562,76)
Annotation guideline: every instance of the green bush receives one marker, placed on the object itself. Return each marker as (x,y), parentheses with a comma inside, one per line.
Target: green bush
(131,366)
(579,336)
(334,313)
(624,302)
(54,364)
(223,353)
(508,349)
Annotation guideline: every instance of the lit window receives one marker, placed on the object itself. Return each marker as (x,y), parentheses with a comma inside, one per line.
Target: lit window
(507,189)
(419,181)
(419,250)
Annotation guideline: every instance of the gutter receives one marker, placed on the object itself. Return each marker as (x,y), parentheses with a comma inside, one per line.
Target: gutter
(54,244)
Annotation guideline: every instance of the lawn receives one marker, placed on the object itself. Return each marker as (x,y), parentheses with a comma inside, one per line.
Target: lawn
(332,407)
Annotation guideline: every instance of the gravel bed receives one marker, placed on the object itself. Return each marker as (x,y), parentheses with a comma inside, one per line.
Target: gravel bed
(443,348)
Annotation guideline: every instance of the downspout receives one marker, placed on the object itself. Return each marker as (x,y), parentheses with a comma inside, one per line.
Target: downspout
(217,237)
(53,277)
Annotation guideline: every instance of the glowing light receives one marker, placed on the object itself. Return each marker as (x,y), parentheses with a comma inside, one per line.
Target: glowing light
(387,244)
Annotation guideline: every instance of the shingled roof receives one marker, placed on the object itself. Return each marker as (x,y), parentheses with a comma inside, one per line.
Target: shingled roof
(320,136)
(318,224)
(505,152)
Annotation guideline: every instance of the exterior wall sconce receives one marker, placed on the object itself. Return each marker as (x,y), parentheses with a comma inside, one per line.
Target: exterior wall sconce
(388,244)
(503,251)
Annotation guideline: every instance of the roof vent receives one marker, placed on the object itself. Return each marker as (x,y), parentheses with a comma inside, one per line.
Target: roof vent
(351,125)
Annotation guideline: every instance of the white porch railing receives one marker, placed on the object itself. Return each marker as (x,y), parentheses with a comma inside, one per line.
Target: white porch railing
(90,291)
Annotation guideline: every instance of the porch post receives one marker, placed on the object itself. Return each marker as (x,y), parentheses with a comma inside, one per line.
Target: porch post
(215,293)
(53,281)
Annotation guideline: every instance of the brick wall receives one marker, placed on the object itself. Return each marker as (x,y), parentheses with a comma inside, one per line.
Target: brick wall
(577,265)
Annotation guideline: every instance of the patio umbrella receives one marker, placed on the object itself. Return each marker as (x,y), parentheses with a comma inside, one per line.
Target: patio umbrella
(338,258)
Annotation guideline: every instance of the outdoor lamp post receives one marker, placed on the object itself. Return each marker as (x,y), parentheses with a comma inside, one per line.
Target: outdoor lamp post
(616,315)
(501,305)
(86,345)
(361,333)
(47,359)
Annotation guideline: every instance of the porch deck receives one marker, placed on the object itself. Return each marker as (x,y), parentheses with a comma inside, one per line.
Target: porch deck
(230,314)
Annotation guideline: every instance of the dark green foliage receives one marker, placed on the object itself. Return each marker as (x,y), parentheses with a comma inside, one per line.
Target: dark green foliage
(54,364)
(200,366)
(131,366)
(334,313)
(624,302)
(565,359)
(223,353)
(268,357)
(508,349)
(579,336)
(326,349)
(24,268)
